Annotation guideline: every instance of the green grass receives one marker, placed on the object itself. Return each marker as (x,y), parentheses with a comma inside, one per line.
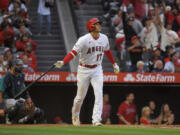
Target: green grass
(85,130)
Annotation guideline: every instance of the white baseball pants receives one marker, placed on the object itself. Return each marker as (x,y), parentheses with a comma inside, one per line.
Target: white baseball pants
(85,76)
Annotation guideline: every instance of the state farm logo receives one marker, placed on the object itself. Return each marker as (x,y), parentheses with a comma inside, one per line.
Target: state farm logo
(156,78)
(129,77)
(71,77)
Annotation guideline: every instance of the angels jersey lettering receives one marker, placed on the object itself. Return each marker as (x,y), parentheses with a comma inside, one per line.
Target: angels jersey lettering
(91,51)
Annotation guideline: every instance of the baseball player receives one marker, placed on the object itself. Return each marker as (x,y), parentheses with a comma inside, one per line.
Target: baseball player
(91,48)
(20,110)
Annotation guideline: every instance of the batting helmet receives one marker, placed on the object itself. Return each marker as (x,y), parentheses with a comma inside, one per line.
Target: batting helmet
(90,24)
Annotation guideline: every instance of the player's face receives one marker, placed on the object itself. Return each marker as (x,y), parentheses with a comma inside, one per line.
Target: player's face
(98,27)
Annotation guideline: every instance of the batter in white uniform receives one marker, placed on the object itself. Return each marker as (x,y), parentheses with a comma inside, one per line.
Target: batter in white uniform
(91,48)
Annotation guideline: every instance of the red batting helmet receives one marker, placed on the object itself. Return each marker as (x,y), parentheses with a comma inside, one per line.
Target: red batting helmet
(90,24)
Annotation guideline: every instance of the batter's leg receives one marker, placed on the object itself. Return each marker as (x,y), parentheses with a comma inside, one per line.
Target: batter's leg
(83,82)
(97,83)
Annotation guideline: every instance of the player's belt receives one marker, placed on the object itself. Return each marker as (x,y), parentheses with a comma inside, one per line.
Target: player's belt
(88,66)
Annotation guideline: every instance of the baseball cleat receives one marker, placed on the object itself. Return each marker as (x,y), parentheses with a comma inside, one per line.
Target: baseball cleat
(75,121)
(97,124)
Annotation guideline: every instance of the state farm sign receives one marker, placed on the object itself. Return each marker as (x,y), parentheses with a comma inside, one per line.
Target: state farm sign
(150,78)
(108,77)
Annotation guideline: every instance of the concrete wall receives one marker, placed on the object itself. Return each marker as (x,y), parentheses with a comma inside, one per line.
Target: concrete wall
(68,29)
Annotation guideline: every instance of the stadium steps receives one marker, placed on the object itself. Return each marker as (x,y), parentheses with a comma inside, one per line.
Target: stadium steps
(91,9)
(50,48)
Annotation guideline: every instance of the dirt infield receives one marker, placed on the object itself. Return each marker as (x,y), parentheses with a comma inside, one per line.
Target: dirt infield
(87,125)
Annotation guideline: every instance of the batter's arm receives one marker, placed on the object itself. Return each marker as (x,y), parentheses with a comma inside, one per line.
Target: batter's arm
(66,59)
(109,55)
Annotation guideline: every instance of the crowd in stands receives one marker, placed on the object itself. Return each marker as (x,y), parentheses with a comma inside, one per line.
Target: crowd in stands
(148,31)
(127,113)
(15,35)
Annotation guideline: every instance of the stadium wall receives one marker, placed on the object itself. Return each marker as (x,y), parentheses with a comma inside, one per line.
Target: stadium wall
(57,98)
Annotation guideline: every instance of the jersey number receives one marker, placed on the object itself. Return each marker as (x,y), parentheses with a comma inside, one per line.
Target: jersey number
(99,57)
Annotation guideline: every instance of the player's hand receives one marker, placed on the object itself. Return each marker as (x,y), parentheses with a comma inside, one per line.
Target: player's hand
(59,64)
(116,68)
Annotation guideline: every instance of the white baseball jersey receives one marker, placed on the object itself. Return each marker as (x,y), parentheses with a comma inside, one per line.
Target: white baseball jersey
(91,51)
(149,36)
(167,37)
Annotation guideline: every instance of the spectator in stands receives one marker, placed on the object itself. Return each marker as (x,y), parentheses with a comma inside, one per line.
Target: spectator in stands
(21,31)
(172,15)
(149,35)
(44,11)
(156,55)
(127,112)
(168,36)
(128,27)
(7,57)
(106,110)
(16,5)
(137,25)
(26,41)
(139,7)
(169,51)
(145,116)
(170,66)
(32,61)
(7,36)
(112,8)
(117,21)
(158,67)
(153,112)
(140,67)
(166,116)
(6,20)
(135,51)
(26,64)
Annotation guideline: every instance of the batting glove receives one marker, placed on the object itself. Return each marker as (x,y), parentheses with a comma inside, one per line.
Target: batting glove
(59,64)
(116,68)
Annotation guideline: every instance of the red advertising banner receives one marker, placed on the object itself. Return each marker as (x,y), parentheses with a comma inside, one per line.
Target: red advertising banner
(108,77)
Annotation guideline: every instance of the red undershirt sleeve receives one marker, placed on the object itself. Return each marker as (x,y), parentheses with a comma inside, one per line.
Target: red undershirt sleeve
(109,55)
(69,56)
